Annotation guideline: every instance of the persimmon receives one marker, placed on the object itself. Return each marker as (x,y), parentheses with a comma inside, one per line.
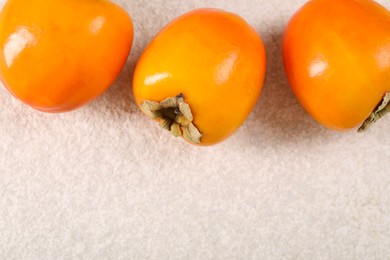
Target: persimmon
(337,59)
(57,55)
(201,75)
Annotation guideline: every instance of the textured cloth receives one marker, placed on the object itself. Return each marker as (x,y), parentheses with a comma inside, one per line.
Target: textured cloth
(105,182)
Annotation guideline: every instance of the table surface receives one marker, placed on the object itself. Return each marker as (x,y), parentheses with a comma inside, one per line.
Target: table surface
(105,182)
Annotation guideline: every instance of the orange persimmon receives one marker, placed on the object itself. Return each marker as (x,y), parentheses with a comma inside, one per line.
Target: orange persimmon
(201,75)
(57,55)
(337,59)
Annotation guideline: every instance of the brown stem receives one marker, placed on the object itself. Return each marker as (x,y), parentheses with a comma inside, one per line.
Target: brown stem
(175,116)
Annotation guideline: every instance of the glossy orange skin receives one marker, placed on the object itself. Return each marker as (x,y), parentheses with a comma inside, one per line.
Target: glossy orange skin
(215,59)
(337,59)
(58,55)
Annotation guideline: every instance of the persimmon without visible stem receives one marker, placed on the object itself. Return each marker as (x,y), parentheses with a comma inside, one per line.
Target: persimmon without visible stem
(58,55)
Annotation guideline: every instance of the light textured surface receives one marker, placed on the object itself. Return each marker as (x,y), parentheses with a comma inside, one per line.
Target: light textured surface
(104,182)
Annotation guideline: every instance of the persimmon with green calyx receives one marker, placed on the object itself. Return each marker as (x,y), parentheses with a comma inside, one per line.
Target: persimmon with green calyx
(57,55)
(201,75)
(337,59)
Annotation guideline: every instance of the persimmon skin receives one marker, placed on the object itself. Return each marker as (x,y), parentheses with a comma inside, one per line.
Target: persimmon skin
(58,55)
(212,57)
(337,59)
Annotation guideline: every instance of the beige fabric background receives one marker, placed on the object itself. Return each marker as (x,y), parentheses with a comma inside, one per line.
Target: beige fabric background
(104,182)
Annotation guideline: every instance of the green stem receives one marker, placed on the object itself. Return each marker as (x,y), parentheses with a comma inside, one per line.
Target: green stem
(380,111)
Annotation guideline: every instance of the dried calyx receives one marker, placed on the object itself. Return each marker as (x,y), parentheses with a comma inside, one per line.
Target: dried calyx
(380,111)
(175,116)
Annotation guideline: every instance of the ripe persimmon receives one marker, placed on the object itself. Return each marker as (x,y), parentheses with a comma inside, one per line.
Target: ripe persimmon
(201,75)
(337,59)
(57,55)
